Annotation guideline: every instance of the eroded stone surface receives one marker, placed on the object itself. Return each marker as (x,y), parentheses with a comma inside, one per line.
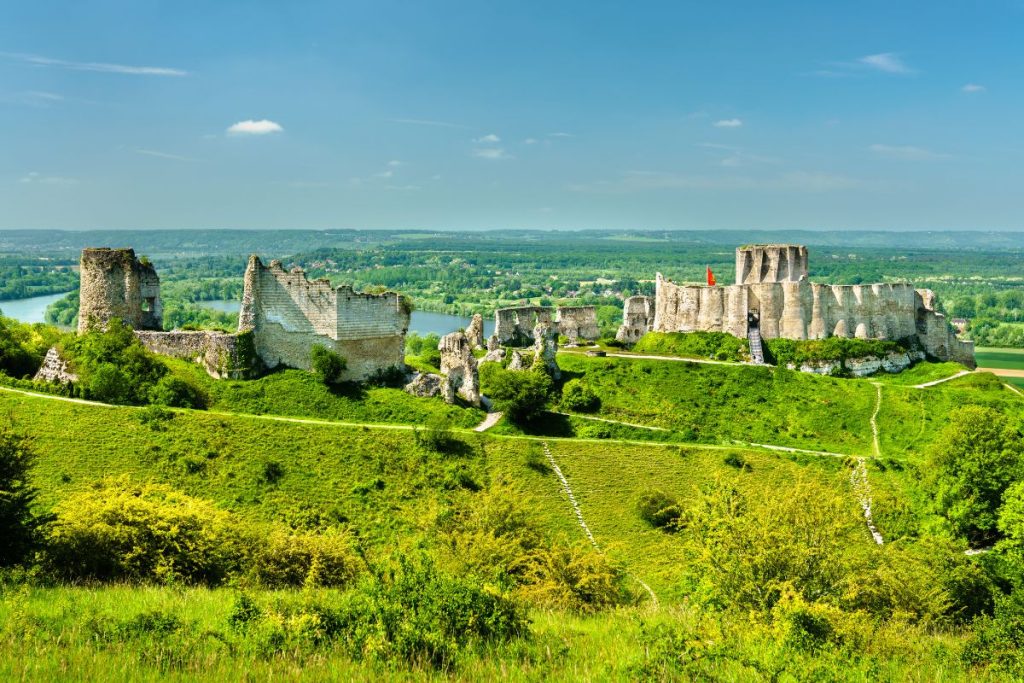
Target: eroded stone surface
(425,385)
(637,319)
(545,349)
(475,331)
(55,369)
(578,323)
(115,284)
(459,366)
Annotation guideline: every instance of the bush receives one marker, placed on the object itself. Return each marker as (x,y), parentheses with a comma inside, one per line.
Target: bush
(327,365)
(659,509)
(287,559)
(521,395)
(719,345)
(113,366)
(177,393)
(18,524)
(119,531)
(579,397)
(438,436)
(409,613)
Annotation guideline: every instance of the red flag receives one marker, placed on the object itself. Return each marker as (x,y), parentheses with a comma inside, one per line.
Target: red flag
(711,277)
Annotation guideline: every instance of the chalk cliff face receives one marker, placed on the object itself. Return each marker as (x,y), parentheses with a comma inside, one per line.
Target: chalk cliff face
(773,286)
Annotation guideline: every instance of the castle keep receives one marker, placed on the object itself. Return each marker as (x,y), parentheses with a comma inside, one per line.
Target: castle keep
(773,297)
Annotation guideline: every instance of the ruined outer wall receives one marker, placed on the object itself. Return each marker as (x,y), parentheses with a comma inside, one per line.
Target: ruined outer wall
(222,355)
(578,322)
(515,325)
(937,337)
(289,314)
(114,284)
(792,310)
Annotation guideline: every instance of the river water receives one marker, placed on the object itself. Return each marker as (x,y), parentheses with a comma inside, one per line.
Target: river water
(31,310)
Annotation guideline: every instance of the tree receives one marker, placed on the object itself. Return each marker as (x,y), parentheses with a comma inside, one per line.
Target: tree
(327,365)
(18,524)
(976,457)
(579,397)
(522,396)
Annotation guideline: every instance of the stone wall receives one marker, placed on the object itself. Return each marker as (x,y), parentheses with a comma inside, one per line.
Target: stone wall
(459,366)
(775,290)
(222,355)
(115,284)
(771,263)
(637,319)
(514,326)
(55,369)
(578,323)
(289,314)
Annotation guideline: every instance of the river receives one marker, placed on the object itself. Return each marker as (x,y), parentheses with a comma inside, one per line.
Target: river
(31,310)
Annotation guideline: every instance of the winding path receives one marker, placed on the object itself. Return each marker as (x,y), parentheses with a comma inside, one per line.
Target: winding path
(489,421)
(958,375)
(861,487)
(874,421)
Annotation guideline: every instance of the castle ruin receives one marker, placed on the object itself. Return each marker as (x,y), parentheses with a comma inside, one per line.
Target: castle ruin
(773,296)
(515,326)
(283,315)
(288,314)
(115,284)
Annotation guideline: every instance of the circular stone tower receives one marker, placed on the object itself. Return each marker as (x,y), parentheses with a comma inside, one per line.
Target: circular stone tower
(115,284)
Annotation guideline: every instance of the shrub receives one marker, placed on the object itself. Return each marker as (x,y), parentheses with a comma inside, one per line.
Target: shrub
(177,393)
(658,509)
(522,396)
(120,531)
(720,345)
(409,612)
(113,366)
(327,365)
(288,559)
(579,397)
(18,524)
(438,436)
(273,472)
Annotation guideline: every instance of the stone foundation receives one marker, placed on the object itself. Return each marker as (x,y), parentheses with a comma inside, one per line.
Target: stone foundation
(222,355)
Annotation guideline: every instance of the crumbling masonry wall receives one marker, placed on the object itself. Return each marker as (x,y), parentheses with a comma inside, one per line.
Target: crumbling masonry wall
(578,323)
(459,366)
(222,355)
(289,314)
(514,326)
(637,319)
(115,284)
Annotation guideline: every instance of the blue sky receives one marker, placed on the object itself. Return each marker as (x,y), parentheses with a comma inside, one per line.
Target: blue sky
(465,115)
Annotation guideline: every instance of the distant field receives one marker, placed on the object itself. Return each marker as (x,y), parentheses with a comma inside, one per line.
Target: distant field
(1009,359)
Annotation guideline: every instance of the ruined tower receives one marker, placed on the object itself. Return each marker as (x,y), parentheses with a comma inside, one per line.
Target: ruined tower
(757,263)
(115,284)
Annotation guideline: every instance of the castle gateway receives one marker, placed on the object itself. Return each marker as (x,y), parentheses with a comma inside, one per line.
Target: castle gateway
(773,294)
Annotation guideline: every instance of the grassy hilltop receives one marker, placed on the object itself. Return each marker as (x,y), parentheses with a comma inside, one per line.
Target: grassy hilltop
(350,512)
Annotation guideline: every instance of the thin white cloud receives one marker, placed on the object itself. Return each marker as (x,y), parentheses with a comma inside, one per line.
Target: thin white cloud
(889,62)
(428,122)
(646,181)
(102,67)
(33,98)
(395,163)
(493,153)
(728,123)
(161,155)
(906,152)
(561,135)
(488,139)
(36,178)
(384,174)
(973,88)
(251,127)
(530,141)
